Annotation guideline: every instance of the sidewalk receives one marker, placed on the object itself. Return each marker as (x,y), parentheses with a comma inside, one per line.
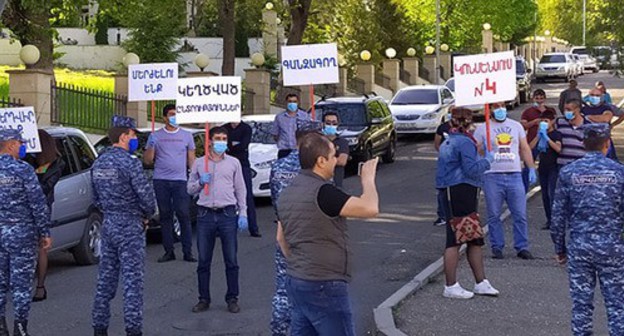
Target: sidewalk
(534,296)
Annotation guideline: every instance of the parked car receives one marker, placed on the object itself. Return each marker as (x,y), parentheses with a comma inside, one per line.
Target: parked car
(76,222)
(420,109)
(589,62)
(262,152)
(366,123)
(523,79)
(580,65)
(555,65)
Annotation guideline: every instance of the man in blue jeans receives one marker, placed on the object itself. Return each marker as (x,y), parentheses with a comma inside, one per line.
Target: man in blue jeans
(172,151)
(313,214)
(221,210)
(503,182)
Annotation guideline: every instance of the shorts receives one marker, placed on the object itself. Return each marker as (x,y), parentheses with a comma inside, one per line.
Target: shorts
(463,202)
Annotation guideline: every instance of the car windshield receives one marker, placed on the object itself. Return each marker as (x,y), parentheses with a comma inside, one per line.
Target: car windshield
(261,132)
(416,97)
(451,84)
(350,114)
(553,59)
(520,67)
(579,51)
(101,145)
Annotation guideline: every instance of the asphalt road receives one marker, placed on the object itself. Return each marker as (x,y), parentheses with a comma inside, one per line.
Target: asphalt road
(388,252)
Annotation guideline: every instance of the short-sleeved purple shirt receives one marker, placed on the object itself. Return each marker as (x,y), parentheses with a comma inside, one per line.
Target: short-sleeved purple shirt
(170,156)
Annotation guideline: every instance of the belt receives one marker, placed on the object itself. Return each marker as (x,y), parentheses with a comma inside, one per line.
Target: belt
(216,210)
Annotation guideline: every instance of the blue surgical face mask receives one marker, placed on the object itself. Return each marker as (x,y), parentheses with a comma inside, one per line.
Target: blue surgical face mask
(330,130)
(292,107)
(172,121)
(569,115)
(594,100)
(133,145)
(500,114)
(22,151)
(219,147)
(543,126)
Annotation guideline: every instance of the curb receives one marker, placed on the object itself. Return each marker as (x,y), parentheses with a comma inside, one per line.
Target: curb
(383,314)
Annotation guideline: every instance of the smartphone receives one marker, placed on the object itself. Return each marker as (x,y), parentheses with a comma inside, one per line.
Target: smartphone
(360,165)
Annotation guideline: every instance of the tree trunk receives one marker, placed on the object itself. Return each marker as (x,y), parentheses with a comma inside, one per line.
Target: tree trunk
(31,25)
(228,26)
(299,11)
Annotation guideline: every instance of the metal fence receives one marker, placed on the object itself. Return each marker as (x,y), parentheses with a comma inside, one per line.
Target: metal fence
(10,102)
(85,108)
(382,80)
(357,85)
(405,77)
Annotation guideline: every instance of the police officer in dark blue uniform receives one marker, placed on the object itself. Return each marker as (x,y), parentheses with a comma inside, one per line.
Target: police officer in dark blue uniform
(589,200)
(24,221)
(126,198)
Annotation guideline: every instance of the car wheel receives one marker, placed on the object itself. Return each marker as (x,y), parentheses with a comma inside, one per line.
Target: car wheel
(523,97)
(388,157)
(87,252)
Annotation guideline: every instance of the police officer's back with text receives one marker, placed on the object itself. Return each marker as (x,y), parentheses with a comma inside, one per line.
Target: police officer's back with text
(589,200)
(24,221)
(126,198)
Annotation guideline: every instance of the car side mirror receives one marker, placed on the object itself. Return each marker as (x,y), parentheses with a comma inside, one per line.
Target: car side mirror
(376,121)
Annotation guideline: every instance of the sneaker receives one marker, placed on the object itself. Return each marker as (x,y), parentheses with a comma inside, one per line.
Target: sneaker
(439,222)
(233,307)
(201,306)
(526,255)
(497,254)
(485,288)
(168,256)
(457,292)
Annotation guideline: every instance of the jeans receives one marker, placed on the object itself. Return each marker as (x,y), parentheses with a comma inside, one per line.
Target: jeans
(443,205)
(171,197)
(211,223)
(548,182)
(320,308)
(508,187)
(251,206)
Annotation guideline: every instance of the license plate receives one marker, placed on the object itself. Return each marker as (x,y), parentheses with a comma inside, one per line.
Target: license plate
(407,125)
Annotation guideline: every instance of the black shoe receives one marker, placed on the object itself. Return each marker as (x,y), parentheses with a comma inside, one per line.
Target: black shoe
(100,332)
(134,333)
(4,330)
(233,306)
(497,254)
(526,255)
(168,256)
(439,222)
(20,328)
(546,227)
(255,234)
(201,306)
(40,298)
(189,258)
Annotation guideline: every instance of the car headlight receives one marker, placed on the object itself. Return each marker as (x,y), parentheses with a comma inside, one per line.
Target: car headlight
(561,68)
(265,164)
(430,115)
(353,141)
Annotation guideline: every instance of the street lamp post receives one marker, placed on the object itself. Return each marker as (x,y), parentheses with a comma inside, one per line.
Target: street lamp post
(584,19)
(437,47)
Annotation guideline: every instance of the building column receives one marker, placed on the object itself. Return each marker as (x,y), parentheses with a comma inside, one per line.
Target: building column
(487,40)
(392,69)
(195,74)
(445,62)
(366,72)
(429,63)
(411,64)
(270,33)
(136,110)
(33,88)
(259,82)
(341,89)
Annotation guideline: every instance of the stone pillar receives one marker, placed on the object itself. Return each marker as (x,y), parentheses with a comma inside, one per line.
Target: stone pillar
(341,88)
(429,62)
(194,74)
(392,69)
(487,40)
(259,82)
(549,44)
(269,32)
(366,72)
(411,64)
(445,62)
(33,88)
(136,110)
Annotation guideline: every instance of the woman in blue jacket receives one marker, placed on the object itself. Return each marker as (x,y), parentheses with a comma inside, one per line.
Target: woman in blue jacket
(461,169)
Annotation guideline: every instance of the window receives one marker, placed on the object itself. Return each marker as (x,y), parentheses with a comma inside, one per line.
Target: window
(375,110)
(350,114)
(67,156)
(83,152)
(198,138)
(451,84)
(416,97)
(553,59)
(446,94)
(386,110)
(261,132)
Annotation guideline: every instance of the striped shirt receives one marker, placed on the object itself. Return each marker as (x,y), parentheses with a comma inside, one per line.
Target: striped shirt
(572,147)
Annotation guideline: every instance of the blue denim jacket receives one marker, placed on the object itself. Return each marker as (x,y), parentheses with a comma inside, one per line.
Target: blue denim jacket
(459,162)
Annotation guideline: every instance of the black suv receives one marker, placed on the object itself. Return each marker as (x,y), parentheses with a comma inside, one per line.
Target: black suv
(366,123)
(523,79)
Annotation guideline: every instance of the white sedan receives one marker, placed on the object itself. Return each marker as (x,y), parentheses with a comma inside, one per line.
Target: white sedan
(262,152)
(420,109)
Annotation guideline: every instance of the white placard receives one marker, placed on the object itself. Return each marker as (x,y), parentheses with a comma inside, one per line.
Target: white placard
(156,81)
(23,119)
(484,78)
(310,64)
(209,99)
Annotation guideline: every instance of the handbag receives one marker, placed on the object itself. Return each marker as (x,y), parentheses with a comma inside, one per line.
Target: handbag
(466,228)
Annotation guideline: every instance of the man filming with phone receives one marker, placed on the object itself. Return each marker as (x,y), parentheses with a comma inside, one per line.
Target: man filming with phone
(313,216)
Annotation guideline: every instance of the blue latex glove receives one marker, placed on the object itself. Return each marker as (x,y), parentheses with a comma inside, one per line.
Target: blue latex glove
(205,178)
(532,176)
(489,156)
(242,223)
(151,141)
(542,143)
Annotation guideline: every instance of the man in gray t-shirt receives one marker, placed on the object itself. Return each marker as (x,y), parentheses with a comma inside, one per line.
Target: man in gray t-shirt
(503,182)
(172,151)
